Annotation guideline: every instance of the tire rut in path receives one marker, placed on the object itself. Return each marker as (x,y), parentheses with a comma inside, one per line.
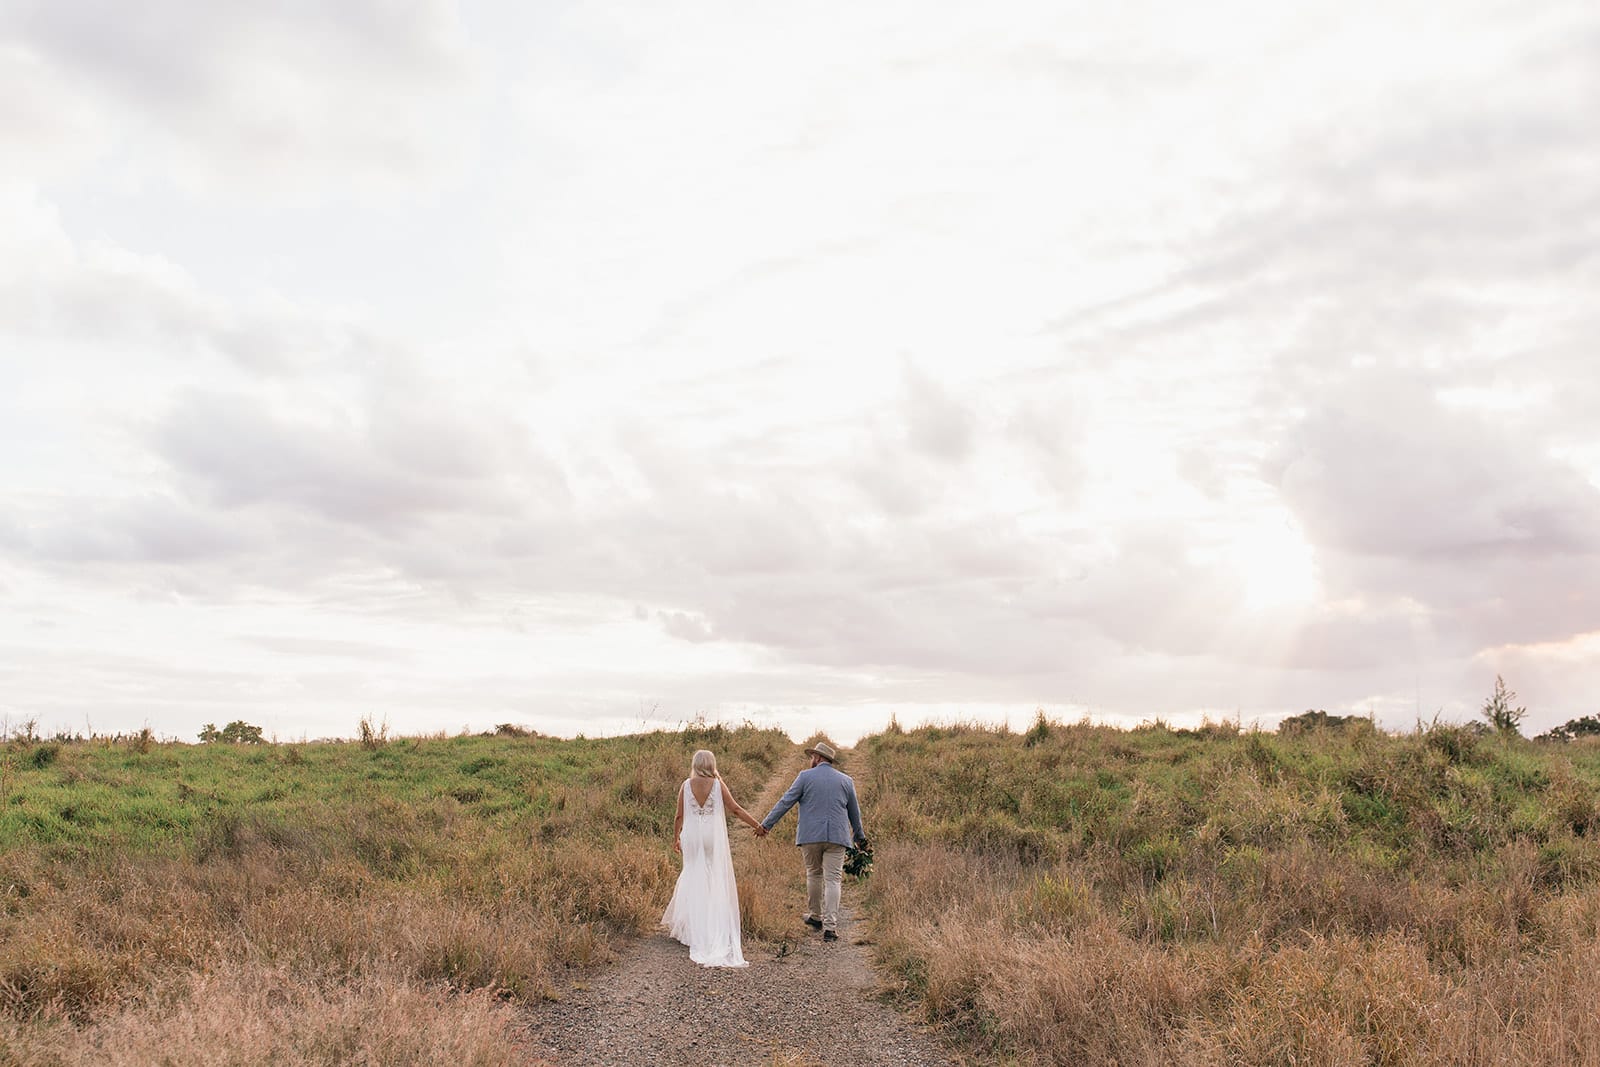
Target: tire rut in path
(814,1003)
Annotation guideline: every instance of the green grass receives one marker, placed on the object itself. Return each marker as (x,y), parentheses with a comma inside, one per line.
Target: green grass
(1413,800)
(97,796)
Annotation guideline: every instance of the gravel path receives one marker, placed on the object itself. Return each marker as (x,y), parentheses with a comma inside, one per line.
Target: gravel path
(813,1004)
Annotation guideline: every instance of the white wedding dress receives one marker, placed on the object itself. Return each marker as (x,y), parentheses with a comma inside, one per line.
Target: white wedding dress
(704,911)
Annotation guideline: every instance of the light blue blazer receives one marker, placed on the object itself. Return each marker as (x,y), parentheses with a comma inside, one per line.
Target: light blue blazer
(828,808)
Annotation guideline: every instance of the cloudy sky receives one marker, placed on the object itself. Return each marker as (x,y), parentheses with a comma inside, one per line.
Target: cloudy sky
(600,366)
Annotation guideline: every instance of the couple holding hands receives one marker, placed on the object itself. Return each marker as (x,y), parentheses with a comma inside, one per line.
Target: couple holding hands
(704,911)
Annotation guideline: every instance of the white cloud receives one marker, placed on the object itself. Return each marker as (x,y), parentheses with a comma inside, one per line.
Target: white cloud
(554,363)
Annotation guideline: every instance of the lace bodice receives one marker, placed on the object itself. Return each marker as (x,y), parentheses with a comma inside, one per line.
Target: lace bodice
(711,808)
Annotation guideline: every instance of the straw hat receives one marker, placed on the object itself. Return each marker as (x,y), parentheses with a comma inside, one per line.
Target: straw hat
(823,749)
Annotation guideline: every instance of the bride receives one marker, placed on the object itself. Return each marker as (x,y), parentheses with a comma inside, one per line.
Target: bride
(704,912)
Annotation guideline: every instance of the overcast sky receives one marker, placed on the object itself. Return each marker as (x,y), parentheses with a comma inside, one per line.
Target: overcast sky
(597,366)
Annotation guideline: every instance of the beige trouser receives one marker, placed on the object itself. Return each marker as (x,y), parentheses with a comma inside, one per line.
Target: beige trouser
(824,874)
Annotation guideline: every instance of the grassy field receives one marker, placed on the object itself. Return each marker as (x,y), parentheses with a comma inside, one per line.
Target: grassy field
(1072,894)
(331,903)
(1078,894)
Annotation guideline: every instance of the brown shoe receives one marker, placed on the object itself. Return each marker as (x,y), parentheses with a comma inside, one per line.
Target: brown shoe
(829,935)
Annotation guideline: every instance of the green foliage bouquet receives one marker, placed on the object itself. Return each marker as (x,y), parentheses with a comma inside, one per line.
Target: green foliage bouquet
(858,860)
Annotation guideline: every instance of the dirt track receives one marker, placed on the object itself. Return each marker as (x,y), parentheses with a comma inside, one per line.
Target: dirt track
(812,1005)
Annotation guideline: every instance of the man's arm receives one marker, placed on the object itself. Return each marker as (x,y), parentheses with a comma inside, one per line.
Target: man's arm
(853,808)
(785,802)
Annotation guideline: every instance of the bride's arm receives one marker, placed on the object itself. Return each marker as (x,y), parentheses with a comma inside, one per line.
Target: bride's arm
(733,806)
(677,825)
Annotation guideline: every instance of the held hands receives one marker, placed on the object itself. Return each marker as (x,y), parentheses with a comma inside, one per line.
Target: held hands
(759,830)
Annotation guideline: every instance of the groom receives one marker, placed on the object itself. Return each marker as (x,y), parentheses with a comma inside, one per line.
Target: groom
(828,809)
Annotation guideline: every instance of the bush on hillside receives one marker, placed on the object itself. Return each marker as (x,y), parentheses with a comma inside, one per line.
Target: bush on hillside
(237,732)
(1310,720)
(1588,726)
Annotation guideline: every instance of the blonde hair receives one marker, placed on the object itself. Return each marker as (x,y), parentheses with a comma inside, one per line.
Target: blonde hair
(704,764)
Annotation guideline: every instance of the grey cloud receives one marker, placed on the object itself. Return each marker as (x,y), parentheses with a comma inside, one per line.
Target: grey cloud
(1147,594)
(938,425)
(91,296)
(101,303)
(1047,426)
(1381,469)
(397,466)
(685,627)
(1472,522)
(1201,469)
(238,454)
(291,645)
(178,49)
(268,88)
(796,573)
(448,496)
(1471,603)
(907,458)
(836,623)
(1376,636)
(897,483)
(937,596)
(1409,231)
(150,529)
(923,591)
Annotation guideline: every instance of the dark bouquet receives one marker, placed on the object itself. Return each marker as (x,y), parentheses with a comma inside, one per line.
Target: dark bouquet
(858,860)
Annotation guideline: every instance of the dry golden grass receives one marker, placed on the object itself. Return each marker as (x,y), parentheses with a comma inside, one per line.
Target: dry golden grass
(330,904)
(793,1059)
(1072,894)
(255,1013)
(1097,897)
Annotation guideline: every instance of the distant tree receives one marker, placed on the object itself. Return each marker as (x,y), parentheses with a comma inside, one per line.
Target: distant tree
(1588,726)
(237,732)
(1500,709)
(242,733)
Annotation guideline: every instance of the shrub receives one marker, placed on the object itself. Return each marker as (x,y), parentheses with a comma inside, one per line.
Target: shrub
(373,737)
(1309,721)
(1038,732)
(1458,744)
